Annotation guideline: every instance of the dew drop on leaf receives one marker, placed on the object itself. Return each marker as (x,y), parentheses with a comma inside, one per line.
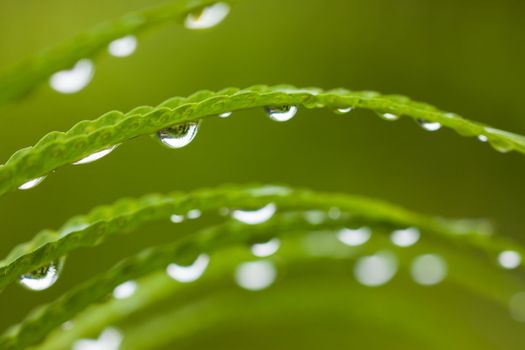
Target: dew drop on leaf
(31,183)
(43,277)
(483,138)
(254,217)
(74,79)
(207,17)
(354,237)
(256,275)
(266,249)
(375,270)
(96,156)
(180,135)
(125,290)
(345,110)
(428,269)
(405,237)
(281,114)
(187,274)
(509,259)
(225,114)
(123,47)
(389,116)
(428,125)
(109,339)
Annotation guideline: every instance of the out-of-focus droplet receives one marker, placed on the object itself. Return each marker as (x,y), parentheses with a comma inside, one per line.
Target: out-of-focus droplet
(32,183)
(193,214)
(375,270)
(176,219)
(254,217)
(405,237)
(256,275)
(125,290)
(509,259)
(483,138)
(266,249)
(389,116)
(96,156)
(345,110)
(354,237)
(75,79)
(187,274)
(429,269)
(123,47)
(281,114)
(207,17)
(109,339)
(225,114)
(428,125)
(180,135)
(43,277)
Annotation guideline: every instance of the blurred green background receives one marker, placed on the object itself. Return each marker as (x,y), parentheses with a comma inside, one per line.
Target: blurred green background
(462,56)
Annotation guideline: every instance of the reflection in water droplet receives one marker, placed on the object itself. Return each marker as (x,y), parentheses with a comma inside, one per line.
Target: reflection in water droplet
(406,237)
(281,114)
(254,217)
(176,219)
(354,237)
(43,277)
(186,274)
(343,110)
(429,126)
(96,156)
(225,114)
(483,138)
(123,47)
(517,306)
(125,290)
(194,214)
(375,270)
(75,79)
(428,269)
(208,17)
(257,275)
(389,116)
(109,339)
(32,183)
(179,135)
(509,259)
(265,249)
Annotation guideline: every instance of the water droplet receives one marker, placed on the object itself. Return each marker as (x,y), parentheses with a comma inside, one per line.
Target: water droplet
(225,114)
(176,219)
(428,269)
(208,17)
(334,213)
(43,277)
(74,79)
(354,237)
(125,290)
(315,217)
(187,274)
(406,237)
(96,156)
(179,135)
(194,214)
(428,125)
(483,138)
(265,249)
(109,339)
(123,47)
(389,116)
(255,276)
(375,270)
(254,217)
(68,325)
(517,306)
(343,110)
(32,183)
(281,114)
(509,259)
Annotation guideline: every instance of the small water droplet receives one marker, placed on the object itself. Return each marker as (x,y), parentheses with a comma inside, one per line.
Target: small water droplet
(281,114)
(225,114)
(483,138)
(254,217)
(509,259)
(389,116)
(43,277)
(375,270)
(354,237)
(428,269)
(207,17)
(96,156)
(406,237)
(187,274)
(266,249)
(109,339)
(68,325)
(194,214)
(32,183)
(125,290)
(179,135)
(255,276)
(176,219)
(334,213)
(428,125)
(315,217)
(74,79)
(345,110)
(123,47)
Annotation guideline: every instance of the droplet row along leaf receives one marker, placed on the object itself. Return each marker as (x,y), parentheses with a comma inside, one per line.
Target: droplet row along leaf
(128,214)
(88,137)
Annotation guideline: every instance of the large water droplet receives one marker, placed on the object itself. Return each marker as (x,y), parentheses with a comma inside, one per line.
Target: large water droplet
(176,219)
(265,249)
(109,339)
(406,237)
(225,114)
(375,270)
(428,125)
(179,135)
(254,217)
(187,274)
(75,79)
(125,290)
(123,47)
(428,269)
(96,156)
(354,237)
(509,259)
(43,277)
(389,116)
(31,183)
(281,114)
(208,17)
(483,138)
(257,275)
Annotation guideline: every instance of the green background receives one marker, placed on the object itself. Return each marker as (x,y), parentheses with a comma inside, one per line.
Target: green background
(463,56)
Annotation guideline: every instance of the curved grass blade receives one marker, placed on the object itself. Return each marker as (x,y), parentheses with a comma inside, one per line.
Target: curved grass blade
(25,76)
(87,137)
